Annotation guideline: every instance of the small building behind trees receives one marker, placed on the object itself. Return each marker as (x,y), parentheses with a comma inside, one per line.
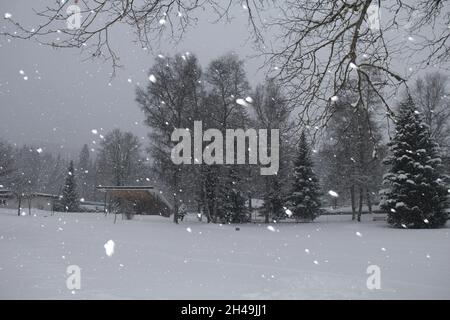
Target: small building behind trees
(33,200)
(132,200)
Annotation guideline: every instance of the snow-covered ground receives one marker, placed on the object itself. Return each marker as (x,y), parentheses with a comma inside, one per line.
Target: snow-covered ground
(156,259)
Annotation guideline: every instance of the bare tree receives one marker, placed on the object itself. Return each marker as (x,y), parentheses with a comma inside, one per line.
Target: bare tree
(314,46)
(351,151)
(272,112)
(6,158)
(25,177)
(321,45)
(227,84)
(172,99)
(120,160)
(431,96)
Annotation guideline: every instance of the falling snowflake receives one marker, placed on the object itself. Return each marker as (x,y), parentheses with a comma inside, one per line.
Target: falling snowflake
(288,212)
(82,199)
(152,78)
(39,150)
(188,229)
(270,228)
(333,193)
(8,15)
(426,221)
(316,262)
(109,248)
(162,21)
(334,98)
(242,102)
(249,99)
(94,131)
(358,234)
(307,251)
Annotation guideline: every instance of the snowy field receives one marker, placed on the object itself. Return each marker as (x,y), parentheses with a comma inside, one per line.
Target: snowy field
(156,259)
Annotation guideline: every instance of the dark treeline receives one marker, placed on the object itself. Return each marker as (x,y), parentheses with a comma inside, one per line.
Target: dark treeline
(337,166)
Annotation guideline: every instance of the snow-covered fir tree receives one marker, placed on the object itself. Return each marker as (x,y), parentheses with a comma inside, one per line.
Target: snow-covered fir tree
(304,199)
(416,195)
(69,199)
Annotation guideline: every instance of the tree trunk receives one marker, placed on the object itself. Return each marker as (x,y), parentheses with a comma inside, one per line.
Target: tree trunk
(267,215)
(175,210)
(19,198)
(214,217)
(369,202)
(105,209)
(29,206)
(208,214)
(361,199)
(214,203)
(352,196)
(175,198)
(205,204)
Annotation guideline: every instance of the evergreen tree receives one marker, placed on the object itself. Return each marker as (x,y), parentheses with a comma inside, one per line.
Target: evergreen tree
(69,194)
(304,199)
(416,195)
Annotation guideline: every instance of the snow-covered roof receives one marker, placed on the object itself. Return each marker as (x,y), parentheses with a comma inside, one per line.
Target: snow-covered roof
(44,195)
(256,203)
(137,192)
(104,188)
(6,193)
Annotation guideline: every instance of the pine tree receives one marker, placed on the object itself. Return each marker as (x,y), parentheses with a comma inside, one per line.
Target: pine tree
(416,196)
(304,199)
(69,194)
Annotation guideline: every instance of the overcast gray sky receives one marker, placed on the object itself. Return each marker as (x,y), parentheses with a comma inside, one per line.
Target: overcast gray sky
(65,98)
